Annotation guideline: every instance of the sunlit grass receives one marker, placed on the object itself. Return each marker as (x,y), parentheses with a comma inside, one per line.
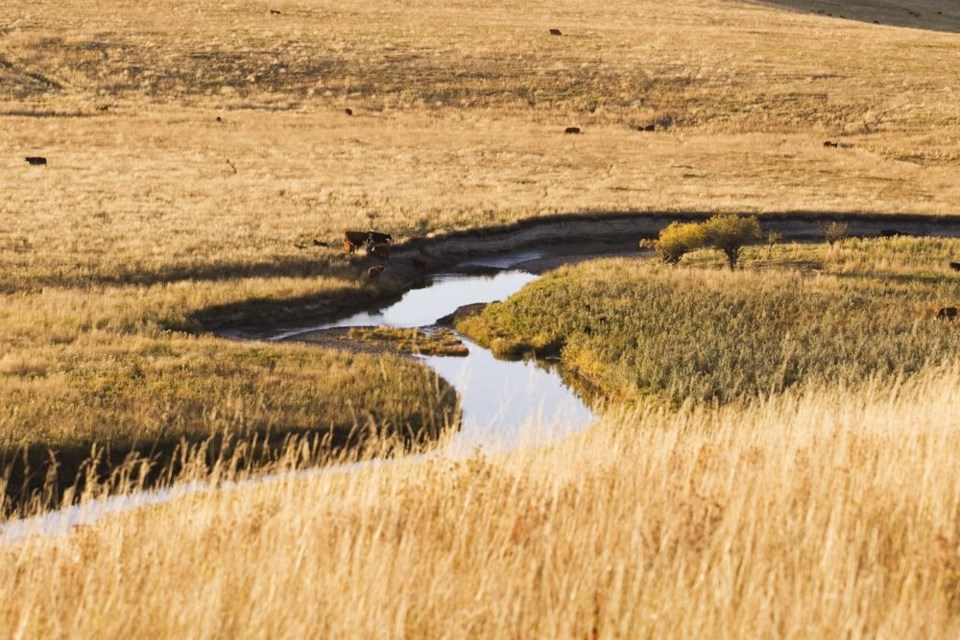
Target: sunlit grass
(202,169)
(440,342)
(792,314)
(820,513)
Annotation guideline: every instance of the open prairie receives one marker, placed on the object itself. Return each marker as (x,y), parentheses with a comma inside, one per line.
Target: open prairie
(203,161)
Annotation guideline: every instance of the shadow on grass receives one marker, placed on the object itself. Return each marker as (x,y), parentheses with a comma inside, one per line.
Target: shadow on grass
(899,278)
(932,15)
(39,478)
(281,267)
(264,317)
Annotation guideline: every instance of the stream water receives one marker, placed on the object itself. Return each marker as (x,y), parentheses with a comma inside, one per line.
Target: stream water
(504,404)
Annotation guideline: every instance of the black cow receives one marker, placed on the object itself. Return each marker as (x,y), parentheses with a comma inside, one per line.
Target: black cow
(555,32)
(947,313)
(353,240)
(369,240)
(572,130)
(375,237)
(955,266)
(36,160)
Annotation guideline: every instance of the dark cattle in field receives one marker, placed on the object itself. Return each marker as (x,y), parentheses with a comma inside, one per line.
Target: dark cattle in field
(947,313)
(555,32)
(572,130)
(375,237)
(891,233)
(36,160)
(650,127)
(831,143)
(955,266)
(374,272)
(348,111)
(353,240)
(274,12)
(369,240)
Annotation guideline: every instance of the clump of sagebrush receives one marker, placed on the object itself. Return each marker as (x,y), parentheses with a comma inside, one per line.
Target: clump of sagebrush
(728,233)
(441,342)
(678,239)
(633,327)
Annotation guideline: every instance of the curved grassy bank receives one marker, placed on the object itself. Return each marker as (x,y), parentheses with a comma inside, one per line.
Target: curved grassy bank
(144,396)
(795,313)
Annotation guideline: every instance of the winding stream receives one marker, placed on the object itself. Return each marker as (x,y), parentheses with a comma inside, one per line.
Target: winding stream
(504,404)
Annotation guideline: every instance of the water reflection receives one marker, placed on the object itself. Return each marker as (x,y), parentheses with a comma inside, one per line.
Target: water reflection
(504,404)
(508,404)
(421,307)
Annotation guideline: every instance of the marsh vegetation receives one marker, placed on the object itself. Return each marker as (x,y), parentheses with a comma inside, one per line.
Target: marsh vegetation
(796,314)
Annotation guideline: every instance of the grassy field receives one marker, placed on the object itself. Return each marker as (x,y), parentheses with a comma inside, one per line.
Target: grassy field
(201,170)
(793,314)
(818,513)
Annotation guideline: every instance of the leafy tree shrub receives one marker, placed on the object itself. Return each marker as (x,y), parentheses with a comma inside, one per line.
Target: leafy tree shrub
(834,232)
(677,239)
(731,234)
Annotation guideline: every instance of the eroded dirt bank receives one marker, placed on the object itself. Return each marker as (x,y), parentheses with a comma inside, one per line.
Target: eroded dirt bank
(628,228)
(547,242)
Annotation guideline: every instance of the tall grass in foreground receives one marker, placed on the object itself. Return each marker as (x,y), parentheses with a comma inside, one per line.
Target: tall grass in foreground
(824,512)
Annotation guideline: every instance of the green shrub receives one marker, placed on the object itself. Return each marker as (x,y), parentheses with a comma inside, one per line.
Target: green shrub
(730,234)
(678,239)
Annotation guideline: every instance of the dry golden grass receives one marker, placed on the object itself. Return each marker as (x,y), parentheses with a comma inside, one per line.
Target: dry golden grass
(443,98)
(821,513)
(827,512)
(636,329)
(440,342)
(151,211)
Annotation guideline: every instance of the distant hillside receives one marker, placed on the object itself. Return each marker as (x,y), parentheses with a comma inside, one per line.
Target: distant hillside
(731,66)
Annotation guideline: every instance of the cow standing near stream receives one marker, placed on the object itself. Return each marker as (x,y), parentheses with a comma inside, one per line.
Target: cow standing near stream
(374,242)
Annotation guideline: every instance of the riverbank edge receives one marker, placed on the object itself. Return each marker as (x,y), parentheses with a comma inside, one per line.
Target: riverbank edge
(412,262)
